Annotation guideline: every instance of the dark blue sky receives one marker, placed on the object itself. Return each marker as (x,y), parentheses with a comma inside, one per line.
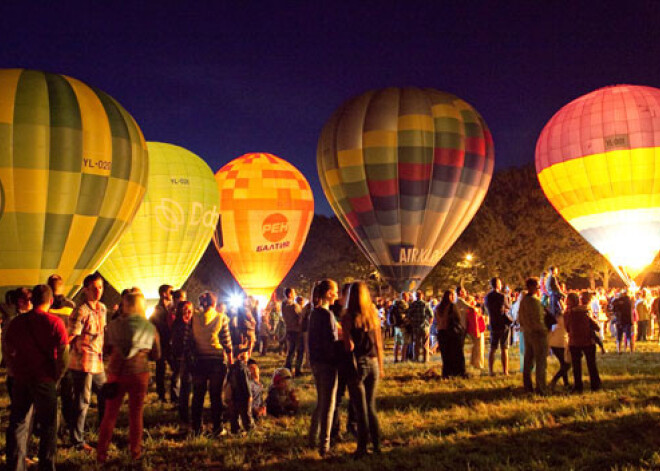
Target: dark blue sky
(226,78)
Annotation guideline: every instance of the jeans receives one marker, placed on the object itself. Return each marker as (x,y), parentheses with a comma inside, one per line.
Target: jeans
(343,373)
(627,330)
(83,385)
(295,346)
(325,378)
(563,366)
(536,354)
(184,389)
(642,330)
(65,392)
(160,379)
(240,409)
(136,387)
(576,358)
(421,337)
(362,388)
(554,305)
(208,375)
(43,396)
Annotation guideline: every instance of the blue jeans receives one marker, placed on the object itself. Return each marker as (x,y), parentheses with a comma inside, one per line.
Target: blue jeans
(362,388)
(44,398)
(325,378)
(208,375)
(83,385)
(295,346)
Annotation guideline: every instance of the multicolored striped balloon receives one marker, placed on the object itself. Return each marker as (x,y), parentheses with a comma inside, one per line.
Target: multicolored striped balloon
(173,227)
(266,208)
(405,170)
(73,172)
(598,162)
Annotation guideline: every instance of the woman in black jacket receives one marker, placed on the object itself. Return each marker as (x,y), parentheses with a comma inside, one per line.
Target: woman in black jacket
(451,334)
(323,334)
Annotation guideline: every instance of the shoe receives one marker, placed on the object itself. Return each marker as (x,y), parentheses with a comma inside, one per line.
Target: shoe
(85,447)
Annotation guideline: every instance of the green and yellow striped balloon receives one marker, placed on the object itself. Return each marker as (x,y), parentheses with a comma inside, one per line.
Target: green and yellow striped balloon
(73,172)
(173,226)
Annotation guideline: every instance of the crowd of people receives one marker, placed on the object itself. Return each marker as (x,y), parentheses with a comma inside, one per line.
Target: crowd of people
(56,351)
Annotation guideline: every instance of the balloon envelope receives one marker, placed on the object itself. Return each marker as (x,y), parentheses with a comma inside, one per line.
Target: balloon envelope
(266,208)
(598,162)
(405,170)
(173,226)
(73,172)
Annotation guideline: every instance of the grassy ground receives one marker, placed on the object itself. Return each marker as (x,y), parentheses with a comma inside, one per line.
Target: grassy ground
(484,423)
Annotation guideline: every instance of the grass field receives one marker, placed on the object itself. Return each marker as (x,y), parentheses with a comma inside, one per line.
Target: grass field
(481,423)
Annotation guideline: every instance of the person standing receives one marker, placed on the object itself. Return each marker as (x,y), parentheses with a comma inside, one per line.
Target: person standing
(362,337)
(292,315)
(323,336)
(131,342)
(397,319)
(555,292)
(531,317)
(181,336)
(475,328)
(162,319)
(37,351)
(581,326)
(450,336)
(558,342)
(86,335)
(211,343)
(420,317)
(497,309)
(622,307)
(643,309)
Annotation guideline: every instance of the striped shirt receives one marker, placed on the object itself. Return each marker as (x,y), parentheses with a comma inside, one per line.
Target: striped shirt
(87,326)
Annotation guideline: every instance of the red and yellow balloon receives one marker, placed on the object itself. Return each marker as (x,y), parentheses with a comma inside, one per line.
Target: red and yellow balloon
(598,162)
(266,208)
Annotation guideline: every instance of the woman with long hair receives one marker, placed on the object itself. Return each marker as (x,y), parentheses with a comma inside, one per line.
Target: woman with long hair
(322,337)
(451,335)
(131,341)
(362,337)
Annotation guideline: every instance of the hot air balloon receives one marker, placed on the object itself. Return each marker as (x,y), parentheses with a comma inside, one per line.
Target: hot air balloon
(73,172)
(173,226)
(266,208)
(598,162)
(405,169)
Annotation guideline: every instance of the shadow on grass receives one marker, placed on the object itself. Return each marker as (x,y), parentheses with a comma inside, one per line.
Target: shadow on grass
(623,441)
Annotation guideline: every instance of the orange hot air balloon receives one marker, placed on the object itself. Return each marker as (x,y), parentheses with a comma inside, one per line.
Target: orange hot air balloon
(266,208)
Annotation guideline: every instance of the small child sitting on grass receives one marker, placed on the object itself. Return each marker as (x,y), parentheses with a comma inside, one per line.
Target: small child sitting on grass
(282,399)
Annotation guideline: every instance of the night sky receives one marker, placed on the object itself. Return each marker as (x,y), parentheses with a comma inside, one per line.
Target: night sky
(225,78)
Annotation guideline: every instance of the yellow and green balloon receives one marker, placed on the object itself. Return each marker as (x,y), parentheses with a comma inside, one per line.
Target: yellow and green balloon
(73,172)
(173,226)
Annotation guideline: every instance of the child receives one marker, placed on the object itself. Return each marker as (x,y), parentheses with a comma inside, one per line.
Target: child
(281,398)
(257,390)
(238,393)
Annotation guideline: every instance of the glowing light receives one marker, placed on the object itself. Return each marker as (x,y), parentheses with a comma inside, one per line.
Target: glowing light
(468,257)
(236,300)
(149,311)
